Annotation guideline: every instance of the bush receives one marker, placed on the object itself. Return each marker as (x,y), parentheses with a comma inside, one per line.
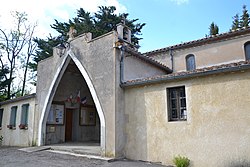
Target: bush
(180,161)
(1,140)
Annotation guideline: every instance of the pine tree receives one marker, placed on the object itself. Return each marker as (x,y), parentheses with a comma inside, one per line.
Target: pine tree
(213,29)
(4,82)
(103,21)
(236,22)
(244,20)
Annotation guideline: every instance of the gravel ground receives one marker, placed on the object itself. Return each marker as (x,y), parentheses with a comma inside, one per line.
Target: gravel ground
(12,157)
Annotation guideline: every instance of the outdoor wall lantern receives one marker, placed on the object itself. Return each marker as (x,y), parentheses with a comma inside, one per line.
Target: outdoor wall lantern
(61,48)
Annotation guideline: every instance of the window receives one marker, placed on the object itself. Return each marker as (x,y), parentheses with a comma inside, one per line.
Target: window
(177,104)
(190,62)
(12,124)
(247,50)
(1,117)
(24,116)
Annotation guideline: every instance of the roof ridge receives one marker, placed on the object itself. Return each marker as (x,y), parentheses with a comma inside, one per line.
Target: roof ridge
(201,40)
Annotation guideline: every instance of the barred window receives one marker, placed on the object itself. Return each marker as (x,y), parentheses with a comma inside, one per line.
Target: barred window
(177,104)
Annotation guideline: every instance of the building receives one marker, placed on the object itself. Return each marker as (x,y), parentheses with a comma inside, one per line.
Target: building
(190,99)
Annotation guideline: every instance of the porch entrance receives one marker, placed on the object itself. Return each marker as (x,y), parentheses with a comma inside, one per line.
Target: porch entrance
(73,117)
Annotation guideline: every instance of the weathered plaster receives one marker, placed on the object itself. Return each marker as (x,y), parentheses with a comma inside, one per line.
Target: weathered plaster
(135,68)
(17,136)
(217,129)
(217,53)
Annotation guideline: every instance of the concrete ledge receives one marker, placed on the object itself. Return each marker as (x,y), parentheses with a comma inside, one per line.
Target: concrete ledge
(82,155)
(35,149)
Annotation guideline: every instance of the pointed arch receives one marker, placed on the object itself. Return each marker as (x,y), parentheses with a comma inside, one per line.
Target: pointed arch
(56,80)
(95,98)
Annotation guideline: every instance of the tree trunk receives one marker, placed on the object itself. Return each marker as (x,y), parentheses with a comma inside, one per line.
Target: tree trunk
(25,75)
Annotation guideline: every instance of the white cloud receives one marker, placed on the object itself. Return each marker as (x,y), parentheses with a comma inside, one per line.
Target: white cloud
(179,2)
(45,11)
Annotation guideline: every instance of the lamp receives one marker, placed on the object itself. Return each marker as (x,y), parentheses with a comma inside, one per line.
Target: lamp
(61,48)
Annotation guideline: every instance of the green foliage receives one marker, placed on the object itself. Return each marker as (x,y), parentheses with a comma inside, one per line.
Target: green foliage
(236,22)
(4,82)
(101,22)
(213,29)
(45,50)
(180,161)
(242,21)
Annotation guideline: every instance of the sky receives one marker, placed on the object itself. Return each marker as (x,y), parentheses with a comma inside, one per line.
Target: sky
(168,22)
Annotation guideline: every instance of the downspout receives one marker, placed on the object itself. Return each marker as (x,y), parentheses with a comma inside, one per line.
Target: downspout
(121,47)
(171,59)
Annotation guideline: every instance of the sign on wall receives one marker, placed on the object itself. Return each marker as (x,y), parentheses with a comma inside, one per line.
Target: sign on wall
(88,116)
(56,114)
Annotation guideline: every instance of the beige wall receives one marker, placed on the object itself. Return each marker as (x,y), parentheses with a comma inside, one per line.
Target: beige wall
(18,137)
(217,130)
(98,57)
(135,68)
(217,53)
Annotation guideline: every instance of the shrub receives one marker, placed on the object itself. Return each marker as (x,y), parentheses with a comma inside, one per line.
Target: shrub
(180,161)
(1,140)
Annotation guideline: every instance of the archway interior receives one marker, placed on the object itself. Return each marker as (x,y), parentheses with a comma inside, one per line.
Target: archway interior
(72,116)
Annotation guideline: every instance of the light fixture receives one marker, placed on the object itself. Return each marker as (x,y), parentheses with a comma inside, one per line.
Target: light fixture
(61,48)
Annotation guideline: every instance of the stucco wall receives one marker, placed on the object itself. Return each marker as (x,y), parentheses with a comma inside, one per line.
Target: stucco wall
(223,52)
(17,136)
(135,68)
(98,59)
(217,130)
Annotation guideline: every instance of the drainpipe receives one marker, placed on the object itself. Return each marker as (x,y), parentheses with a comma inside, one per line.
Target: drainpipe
(121,47)
(172,59)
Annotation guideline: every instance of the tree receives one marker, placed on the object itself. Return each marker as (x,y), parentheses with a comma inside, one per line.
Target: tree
(213,29)
(31,46)
(244,20)
(241,22)
(12,45)
(103,21)
(236,22)
(3,82)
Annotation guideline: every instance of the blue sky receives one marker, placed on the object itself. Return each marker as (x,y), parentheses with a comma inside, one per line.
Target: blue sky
(168,22)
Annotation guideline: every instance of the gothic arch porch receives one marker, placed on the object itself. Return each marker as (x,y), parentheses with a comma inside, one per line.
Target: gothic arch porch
(72,82)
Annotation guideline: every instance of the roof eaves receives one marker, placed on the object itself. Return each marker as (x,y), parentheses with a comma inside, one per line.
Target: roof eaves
(148,59)
(201,41)
(183,75)
(18,99)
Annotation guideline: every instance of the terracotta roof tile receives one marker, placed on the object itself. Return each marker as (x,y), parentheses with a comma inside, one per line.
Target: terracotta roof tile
(202,41)
(187,74)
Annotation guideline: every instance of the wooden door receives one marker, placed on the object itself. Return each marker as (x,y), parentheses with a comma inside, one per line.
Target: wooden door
(68,125)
